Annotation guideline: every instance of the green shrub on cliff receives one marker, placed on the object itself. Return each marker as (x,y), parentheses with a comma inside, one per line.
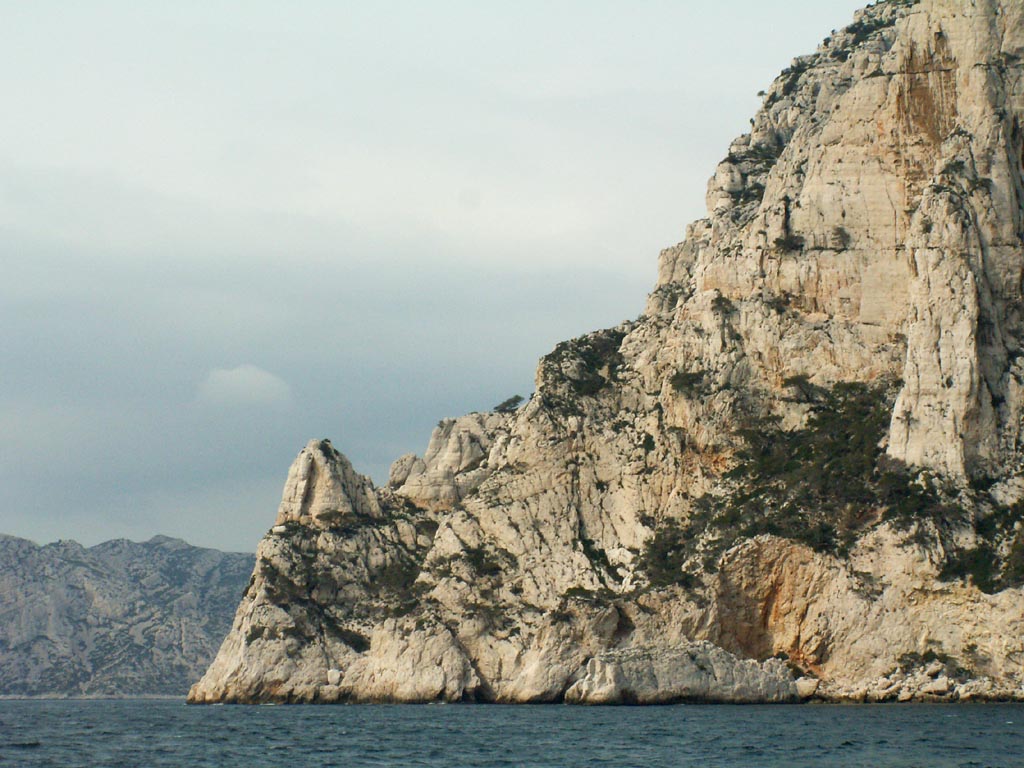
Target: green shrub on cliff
(822,485)
(665,556)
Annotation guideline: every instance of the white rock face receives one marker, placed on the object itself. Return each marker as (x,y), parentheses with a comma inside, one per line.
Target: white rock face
(806,687)
(413,665)
(695,672)
(890,176)
(808,445)
(456,461)
(322,487)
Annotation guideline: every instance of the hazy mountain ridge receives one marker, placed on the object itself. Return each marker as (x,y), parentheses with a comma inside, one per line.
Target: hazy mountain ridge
(118,618)
(804,459)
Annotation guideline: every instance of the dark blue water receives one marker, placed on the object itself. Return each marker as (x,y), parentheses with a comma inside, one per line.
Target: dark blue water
(167,733)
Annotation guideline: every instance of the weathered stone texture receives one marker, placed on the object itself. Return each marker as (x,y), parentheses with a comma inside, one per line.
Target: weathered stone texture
(867,229)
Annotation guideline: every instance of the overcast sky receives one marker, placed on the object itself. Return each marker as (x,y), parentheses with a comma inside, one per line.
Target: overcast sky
(229,227)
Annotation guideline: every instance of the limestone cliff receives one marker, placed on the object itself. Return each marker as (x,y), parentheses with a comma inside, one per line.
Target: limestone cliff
(802,461)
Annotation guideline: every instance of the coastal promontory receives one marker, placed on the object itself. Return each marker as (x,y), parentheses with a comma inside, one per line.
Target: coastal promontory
(799,472)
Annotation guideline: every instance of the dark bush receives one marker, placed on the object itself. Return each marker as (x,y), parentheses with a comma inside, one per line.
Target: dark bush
(688,382)
(820,484)
(482,561)
(862,30)
(989,571)
(779,303)
(789,243)
(510,405)
(806,391)
(559,616)
(397,576)
(979,564)
(599,558)
(664,557)
(723,305)
(793,75)
(597,359)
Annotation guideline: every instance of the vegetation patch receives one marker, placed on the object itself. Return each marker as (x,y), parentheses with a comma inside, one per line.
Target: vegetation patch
(586,364)
(779,304)
(823,485)
(490,614)
(866,27)
(688,382)
(599,558)
(996,562)
(792,77)
(666,555)
(482,561)
(602,596)
(908,662)
(841,237)
(397,576)
(1013,564)
(723,305)
(510,405)
(752,192)
(789,244)
(977,563)
(756,155)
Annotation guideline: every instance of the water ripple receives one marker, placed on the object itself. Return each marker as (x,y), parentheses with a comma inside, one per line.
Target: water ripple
(166,733)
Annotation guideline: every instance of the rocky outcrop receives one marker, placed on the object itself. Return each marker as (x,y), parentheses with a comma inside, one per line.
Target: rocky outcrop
(116,619)
(322,487)
(695,672)
(806,448)
(455,463)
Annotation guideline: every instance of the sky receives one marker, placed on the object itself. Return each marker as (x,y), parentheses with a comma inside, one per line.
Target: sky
(227,228)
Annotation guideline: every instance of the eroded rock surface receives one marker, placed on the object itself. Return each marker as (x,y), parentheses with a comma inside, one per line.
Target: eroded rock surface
(695,672)
(807,447)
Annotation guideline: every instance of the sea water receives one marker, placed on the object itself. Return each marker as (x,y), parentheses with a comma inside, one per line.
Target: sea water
(169,733)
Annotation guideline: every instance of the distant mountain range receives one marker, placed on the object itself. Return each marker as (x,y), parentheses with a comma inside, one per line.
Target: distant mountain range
(119,618)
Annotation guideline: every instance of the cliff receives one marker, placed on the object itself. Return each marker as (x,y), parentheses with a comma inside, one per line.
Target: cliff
(119,618)
(797,473)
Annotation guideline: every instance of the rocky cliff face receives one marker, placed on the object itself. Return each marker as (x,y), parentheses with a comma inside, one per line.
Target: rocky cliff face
(799,472)
(119,618)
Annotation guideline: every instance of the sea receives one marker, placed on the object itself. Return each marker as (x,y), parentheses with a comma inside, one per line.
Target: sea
(162,732)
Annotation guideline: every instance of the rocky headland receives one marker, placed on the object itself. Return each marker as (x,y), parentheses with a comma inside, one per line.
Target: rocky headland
(117,619)
(799,473)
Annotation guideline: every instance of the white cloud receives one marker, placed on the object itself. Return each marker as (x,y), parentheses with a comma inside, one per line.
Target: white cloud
(244,385)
